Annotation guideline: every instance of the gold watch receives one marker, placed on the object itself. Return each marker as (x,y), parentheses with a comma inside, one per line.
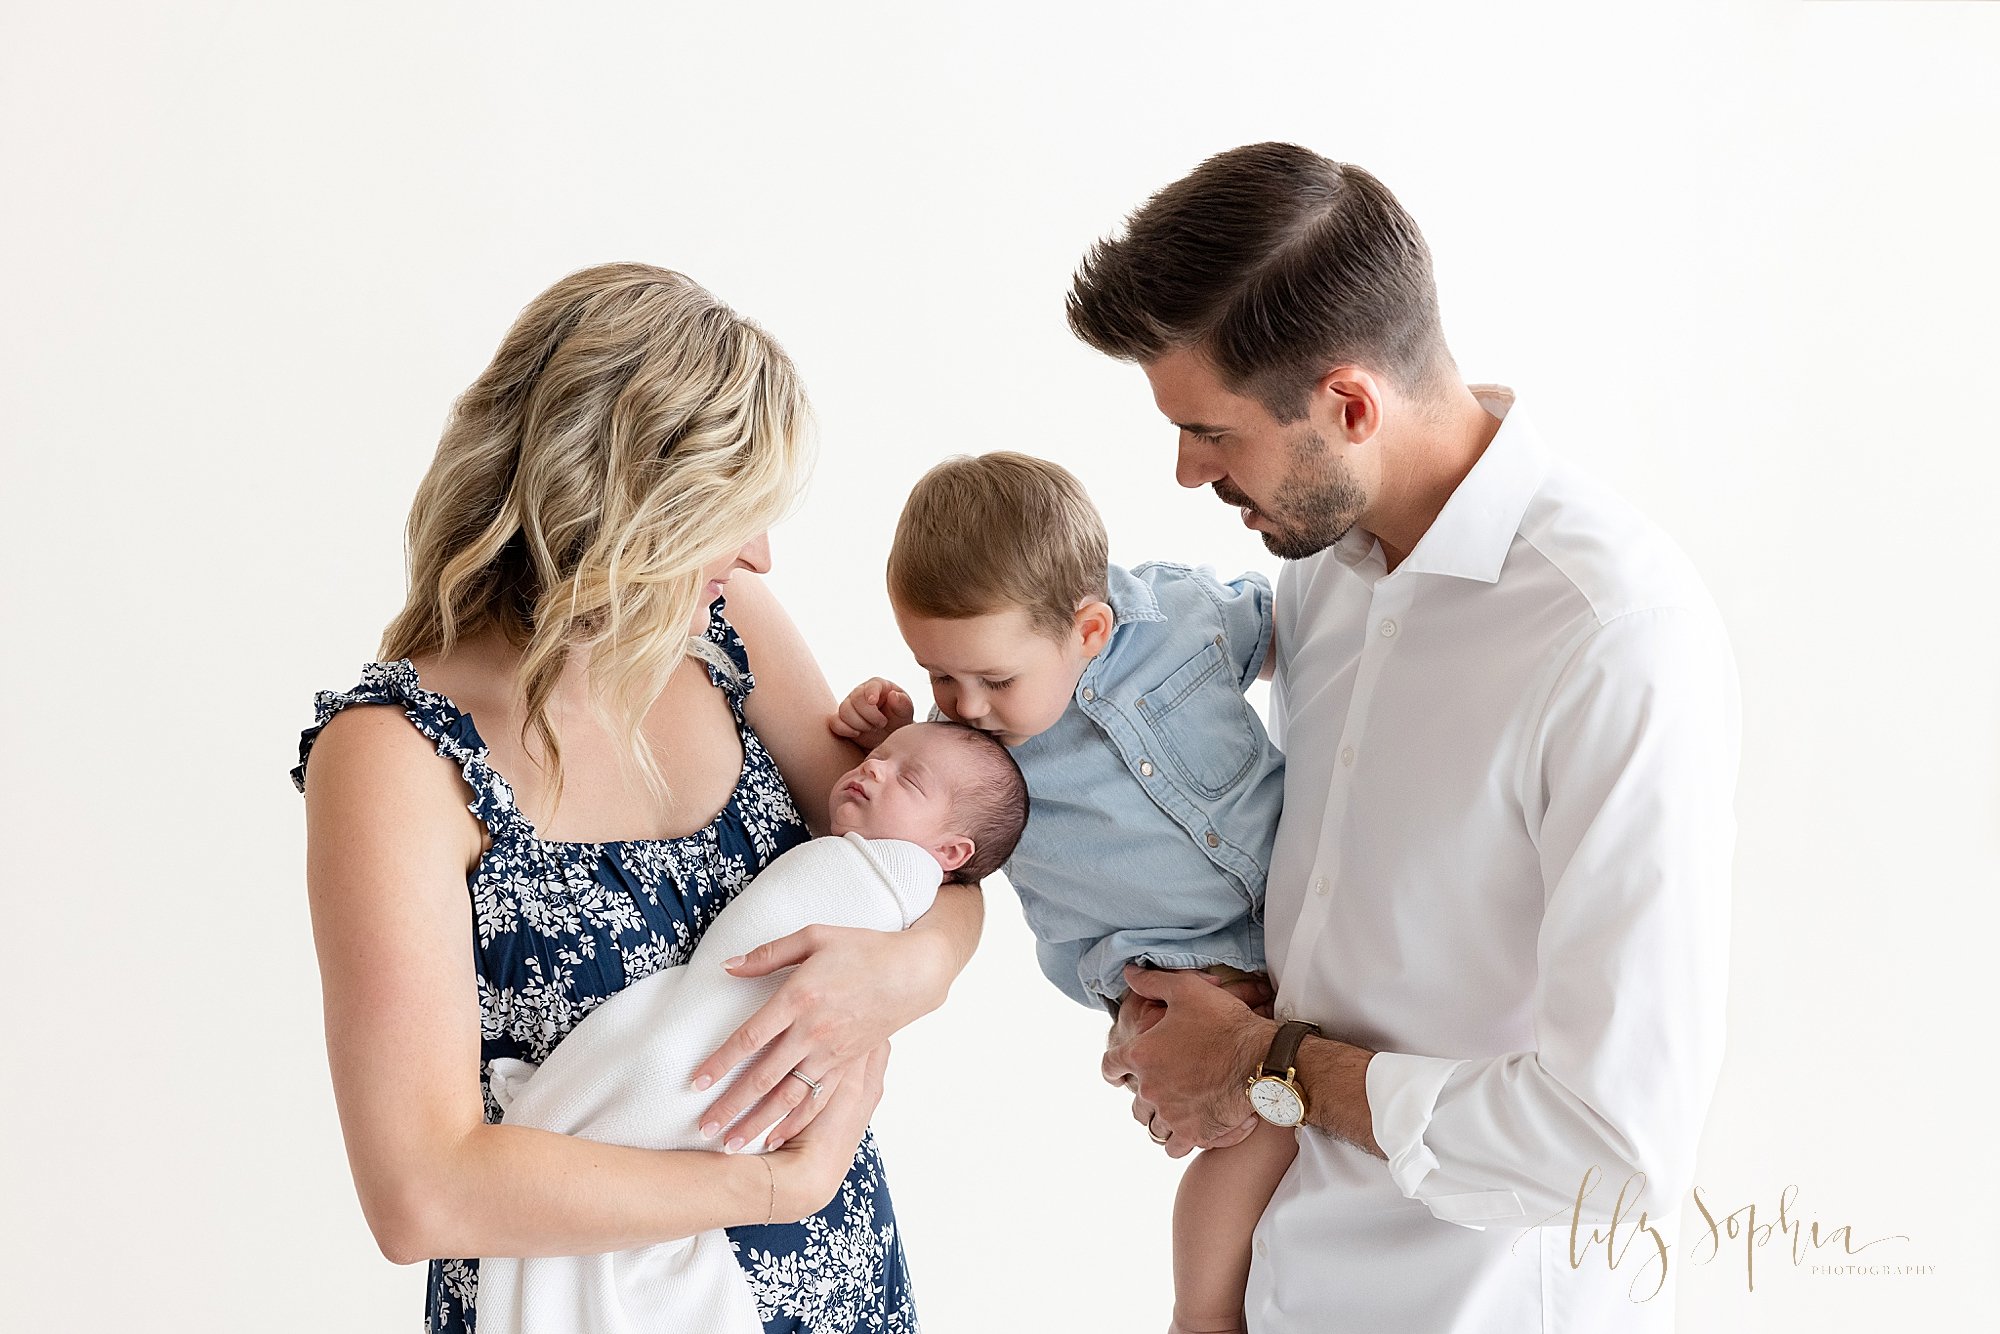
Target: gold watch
(1274,1091)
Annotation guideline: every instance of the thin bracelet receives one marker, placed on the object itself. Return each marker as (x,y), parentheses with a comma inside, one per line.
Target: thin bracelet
(771,1207)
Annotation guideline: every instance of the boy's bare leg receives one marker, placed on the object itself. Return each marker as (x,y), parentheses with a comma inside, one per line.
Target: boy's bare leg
(1222,1195)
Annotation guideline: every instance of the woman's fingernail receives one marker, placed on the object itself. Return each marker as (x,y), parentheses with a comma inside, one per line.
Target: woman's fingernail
(735,1142)
(775,1145)
(701,1082)
(710,1130)
(735,962)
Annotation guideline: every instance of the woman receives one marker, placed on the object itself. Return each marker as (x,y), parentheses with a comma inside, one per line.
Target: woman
(596,492)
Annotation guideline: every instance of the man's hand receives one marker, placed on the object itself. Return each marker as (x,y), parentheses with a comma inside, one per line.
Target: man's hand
(871,711)
(1138,1013)
(1185,1047)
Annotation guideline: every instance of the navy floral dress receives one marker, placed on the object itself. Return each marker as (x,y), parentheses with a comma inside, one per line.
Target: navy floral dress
(559,927)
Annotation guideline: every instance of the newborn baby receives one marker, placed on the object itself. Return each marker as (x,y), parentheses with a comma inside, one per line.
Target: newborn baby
(935,802)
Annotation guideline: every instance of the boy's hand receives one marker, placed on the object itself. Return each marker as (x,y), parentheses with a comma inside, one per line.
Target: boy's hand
(871,711)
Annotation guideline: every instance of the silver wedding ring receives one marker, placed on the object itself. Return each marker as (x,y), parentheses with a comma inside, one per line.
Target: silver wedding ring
(807,1080)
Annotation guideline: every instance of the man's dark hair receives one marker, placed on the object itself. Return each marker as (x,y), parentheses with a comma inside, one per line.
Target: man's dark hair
(1275,264)
(991,808)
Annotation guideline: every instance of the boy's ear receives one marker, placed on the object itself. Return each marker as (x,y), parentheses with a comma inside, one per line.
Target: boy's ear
(953,852)
(1094,624)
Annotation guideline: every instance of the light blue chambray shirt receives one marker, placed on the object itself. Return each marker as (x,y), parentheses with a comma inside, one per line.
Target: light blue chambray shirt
(1154,799)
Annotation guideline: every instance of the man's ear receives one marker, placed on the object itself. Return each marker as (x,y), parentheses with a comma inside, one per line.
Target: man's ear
(1094,623)
(953,851)
(1349,402)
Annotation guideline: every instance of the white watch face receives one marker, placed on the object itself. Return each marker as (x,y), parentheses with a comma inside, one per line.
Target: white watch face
(1277,1102)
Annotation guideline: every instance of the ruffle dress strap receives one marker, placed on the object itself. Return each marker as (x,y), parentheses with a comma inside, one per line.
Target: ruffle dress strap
(447,727)
(728,662)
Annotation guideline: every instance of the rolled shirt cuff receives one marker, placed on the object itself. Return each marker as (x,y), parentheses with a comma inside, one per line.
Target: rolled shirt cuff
(1402,1093)
(1402,1097)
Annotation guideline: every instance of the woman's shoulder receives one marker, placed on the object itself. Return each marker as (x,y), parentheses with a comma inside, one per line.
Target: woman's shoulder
(389,730)
(370,709)
(367,744)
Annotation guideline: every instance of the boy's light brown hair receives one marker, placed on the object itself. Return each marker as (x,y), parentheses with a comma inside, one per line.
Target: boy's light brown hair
(982,535)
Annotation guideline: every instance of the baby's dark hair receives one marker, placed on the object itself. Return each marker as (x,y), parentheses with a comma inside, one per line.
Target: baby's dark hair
(991,806)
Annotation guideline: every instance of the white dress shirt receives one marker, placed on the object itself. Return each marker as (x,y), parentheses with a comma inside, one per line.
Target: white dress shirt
(1503,864)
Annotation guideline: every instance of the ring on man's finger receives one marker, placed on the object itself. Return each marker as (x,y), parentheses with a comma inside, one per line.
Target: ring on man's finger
(807,1080)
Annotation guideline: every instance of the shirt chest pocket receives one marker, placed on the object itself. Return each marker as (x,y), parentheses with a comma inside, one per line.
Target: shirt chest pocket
(1202,723)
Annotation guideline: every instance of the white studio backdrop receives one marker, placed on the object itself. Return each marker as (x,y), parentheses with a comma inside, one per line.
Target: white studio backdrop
(1737,258)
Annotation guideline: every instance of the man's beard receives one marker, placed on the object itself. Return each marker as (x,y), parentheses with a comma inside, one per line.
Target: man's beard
(1319,500)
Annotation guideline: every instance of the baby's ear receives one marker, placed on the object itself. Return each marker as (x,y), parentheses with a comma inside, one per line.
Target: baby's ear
(1094,623)
(954,851)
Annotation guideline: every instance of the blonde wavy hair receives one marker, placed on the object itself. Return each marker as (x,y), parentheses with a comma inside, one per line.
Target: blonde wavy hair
(631,430)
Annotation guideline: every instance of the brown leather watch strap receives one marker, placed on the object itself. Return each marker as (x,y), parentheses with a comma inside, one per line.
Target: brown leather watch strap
(1284,1057)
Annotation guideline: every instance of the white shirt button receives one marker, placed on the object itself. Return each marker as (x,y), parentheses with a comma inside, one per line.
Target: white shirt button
(1286,1011)
(1388,629)
(1347,755)
(1088,694)
(1262,1249)
(1146,768)
(1320,886)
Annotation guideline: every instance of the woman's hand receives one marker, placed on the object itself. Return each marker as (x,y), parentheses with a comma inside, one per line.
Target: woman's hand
(849,990)
(806,1170)
(871,711)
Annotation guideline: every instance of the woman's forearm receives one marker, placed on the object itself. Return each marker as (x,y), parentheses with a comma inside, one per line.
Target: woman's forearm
(511,1190)
(951,929)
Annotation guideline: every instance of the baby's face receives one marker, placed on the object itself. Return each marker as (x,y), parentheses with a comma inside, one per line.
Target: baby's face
(996,672)
(904,789)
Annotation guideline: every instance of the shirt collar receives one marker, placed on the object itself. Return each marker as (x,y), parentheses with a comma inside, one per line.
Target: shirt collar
(1472,534)
(1131,598)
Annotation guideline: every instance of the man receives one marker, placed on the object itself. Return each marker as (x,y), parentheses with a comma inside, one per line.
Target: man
(1499,893)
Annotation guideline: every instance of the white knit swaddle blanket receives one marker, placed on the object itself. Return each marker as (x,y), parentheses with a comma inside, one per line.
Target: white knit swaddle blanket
(625,1076)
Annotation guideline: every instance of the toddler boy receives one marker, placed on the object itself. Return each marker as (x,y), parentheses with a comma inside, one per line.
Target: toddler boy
(1154,790)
